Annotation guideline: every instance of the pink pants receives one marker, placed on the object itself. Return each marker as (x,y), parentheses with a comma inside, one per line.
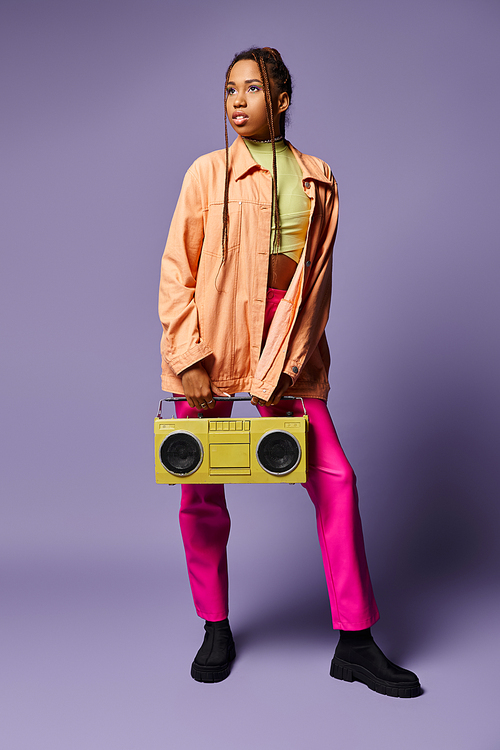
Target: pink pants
(331,484)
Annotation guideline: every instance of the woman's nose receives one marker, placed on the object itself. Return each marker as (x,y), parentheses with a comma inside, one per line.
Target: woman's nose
(239,101)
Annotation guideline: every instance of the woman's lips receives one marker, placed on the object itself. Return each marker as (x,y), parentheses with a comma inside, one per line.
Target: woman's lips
(239,118)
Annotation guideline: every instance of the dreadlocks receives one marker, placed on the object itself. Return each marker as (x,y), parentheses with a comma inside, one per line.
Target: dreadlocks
(272,68)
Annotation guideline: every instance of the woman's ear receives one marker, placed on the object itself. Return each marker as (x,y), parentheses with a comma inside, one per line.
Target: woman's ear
(283,102)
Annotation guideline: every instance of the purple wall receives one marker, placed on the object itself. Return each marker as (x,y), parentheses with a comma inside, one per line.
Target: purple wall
(104,106)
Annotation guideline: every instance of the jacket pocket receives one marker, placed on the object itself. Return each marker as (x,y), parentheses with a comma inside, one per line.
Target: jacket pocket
(212,242)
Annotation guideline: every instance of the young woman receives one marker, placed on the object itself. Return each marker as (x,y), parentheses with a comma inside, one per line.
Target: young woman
(244,300)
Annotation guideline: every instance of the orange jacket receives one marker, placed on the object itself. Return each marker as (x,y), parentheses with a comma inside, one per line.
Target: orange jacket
(214,311)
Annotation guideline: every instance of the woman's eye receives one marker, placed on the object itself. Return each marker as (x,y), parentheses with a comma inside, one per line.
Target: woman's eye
(230,91)
(254,88)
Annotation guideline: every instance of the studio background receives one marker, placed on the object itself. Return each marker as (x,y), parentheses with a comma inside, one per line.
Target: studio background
(104,107)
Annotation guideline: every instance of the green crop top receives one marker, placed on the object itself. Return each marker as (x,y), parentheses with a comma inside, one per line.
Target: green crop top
(294,204)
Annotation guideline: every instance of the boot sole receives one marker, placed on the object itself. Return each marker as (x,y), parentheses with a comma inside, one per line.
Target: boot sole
(201,673)
(343,670)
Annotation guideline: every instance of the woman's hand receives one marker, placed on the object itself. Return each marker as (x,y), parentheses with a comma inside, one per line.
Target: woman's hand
(284,384)
(198,388)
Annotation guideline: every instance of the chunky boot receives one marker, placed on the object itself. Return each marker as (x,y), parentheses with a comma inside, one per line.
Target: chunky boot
(357,657)
(212,663)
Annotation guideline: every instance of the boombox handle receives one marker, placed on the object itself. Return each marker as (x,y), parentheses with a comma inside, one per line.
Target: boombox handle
(224,398)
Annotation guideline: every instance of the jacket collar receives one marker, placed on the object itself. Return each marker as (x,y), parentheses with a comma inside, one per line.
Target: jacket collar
(242,162)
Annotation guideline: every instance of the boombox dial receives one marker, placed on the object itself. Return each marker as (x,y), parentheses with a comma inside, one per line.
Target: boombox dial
(227,450)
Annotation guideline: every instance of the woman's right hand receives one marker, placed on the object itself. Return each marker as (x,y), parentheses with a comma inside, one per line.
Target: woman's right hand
(198,387)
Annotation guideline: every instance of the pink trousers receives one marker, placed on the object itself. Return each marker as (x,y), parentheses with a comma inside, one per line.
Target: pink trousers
(331,484)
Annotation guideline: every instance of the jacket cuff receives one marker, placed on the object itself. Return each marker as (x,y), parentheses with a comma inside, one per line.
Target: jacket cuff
(195,354)
(292,368)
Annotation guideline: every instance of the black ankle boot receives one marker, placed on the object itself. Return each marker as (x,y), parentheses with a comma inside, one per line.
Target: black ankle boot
(357,657)
(212,663)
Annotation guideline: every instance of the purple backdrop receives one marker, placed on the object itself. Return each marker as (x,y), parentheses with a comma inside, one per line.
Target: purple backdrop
(104,106)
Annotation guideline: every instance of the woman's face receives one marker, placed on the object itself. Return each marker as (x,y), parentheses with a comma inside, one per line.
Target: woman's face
(246,103)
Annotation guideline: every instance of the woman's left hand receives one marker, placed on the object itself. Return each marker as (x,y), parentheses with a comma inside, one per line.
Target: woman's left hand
(284,384)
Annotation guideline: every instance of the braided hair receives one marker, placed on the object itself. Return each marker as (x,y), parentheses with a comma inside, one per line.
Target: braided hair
(272,67)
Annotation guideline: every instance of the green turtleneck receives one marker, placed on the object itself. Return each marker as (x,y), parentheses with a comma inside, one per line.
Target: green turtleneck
(294,205)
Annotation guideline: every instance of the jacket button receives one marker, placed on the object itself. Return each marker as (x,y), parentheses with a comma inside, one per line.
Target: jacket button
(308,262)
(295,369)
(307,184)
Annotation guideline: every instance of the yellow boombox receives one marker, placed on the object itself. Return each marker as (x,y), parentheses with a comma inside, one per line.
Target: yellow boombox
(227,450)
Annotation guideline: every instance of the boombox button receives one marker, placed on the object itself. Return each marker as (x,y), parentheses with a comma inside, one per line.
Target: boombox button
(239,424)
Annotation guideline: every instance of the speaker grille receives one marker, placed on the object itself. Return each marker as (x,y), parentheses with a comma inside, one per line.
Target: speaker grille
(278,452)
(181,453)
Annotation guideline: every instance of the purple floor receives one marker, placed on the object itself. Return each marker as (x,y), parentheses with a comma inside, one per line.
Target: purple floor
(96,656)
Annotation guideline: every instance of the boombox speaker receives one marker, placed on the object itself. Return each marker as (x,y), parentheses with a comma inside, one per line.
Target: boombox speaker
(221,450)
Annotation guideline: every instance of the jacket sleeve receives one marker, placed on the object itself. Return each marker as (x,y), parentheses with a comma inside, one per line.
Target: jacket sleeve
(181,343)
(313,314)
